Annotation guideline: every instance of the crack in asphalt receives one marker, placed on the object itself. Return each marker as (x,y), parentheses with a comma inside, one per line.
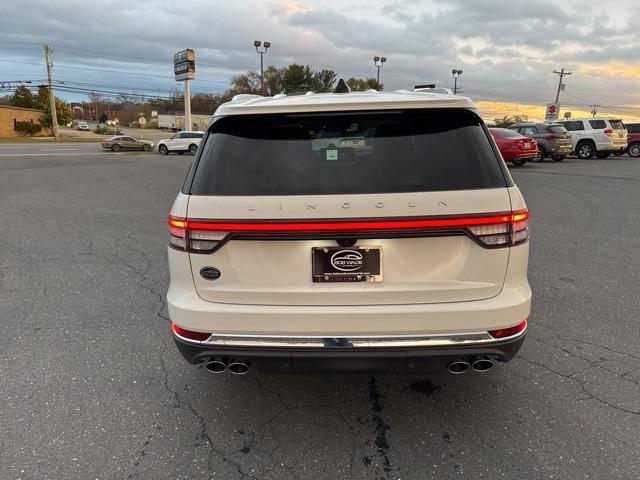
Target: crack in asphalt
(581,385)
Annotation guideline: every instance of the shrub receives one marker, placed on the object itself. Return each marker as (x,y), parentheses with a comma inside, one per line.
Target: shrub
(104,130)
(28,128)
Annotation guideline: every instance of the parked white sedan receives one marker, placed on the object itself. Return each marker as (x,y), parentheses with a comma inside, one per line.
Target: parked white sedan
(181,142)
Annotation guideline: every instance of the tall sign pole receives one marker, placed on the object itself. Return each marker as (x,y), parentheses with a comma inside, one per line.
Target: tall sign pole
(52,98)
(184,68)
(187,106)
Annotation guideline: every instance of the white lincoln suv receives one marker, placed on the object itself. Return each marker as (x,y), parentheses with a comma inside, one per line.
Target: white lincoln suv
(403,250)
(181,142)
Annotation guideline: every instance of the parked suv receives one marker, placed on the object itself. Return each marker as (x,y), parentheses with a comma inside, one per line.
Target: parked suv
(633,139)
(409,255)
(552,138)
(596,136)
(181,142)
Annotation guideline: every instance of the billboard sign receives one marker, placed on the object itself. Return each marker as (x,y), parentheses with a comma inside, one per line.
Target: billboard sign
(553,110)
(184,65)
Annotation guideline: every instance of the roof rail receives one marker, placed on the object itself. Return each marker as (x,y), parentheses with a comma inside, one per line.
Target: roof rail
(243,97)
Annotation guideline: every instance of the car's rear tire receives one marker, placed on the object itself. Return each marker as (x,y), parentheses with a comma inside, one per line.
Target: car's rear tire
(558,158)
(146,147)
(586,150)
(163,150)
(603,154)
(115,148)
(193,149)
(634,150)
(540,156)
(518,162)
(617,153)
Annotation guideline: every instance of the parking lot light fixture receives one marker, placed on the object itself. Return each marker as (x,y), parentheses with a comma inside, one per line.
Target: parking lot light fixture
(379,63)
(456,75)
(262,51)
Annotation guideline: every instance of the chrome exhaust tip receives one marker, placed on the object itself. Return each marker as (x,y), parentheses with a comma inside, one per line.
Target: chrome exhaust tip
(482,364)
(216,365)
(458,366)
(238,367)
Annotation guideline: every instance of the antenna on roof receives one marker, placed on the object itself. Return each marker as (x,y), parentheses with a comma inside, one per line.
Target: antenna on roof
(341,87)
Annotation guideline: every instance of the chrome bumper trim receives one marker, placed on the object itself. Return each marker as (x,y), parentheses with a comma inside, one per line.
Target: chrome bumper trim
(407,341)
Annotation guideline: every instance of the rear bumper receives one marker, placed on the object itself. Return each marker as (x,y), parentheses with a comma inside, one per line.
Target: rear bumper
(347,359)
(559,149)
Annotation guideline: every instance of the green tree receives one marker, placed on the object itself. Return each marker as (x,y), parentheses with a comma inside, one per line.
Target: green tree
(63,110)
(362,84)
(22,97)
(325,80)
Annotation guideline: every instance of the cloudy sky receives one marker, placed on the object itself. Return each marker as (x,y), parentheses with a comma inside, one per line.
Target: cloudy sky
(507,49)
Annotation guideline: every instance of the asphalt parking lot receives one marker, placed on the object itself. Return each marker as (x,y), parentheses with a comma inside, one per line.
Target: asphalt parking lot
(92,386)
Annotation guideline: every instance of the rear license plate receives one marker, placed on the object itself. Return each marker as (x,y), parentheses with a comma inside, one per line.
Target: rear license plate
(346,264)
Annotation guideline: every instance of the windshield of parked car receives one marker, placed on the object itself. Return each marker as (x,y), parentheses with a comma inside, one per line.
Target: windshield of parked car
(348,152)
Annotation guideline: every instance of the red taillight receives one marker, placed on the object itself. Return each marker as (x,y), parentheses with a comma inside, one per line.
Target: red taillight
(551,137)
(493,230)
(198,336)
(608,132)
(508,332)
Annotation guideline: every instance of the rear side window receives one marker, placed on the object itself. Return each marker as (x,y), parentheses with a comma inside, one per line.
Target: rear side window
(574,125)
(598,124)
(347,153)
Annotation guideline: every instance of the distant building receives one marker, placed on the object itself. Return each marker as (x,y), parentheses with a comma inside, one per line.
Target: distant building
(9,116)
(78,111)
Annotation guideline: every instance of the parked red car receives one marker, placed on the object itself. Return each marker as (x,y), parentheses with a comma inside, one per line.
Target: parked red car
(515,148)
(633,139)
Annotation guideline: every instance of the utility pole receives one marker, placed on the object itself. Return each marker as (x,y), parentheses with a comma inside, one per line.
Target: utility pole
(562,73)
(594,109)
(52,99)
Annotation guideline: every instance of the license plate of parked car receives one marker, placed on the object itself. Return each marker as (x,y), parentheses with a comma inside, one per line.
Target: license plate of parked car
(347,264)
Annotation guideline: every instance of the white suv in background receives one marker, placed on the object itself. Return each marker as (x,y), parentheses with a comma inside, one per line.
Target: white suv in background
(181,142)
(596,136)
(289,253)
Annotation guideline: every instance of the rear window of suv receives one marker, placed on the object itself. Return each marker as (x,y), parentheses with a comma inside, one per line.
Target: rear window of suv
(557,129)
(617,124)
(347,153)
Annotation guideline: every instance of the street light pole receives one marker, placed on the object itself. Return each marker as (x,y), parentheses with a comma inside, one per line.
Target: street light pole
(262,52)
(379,63)
(456,75)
